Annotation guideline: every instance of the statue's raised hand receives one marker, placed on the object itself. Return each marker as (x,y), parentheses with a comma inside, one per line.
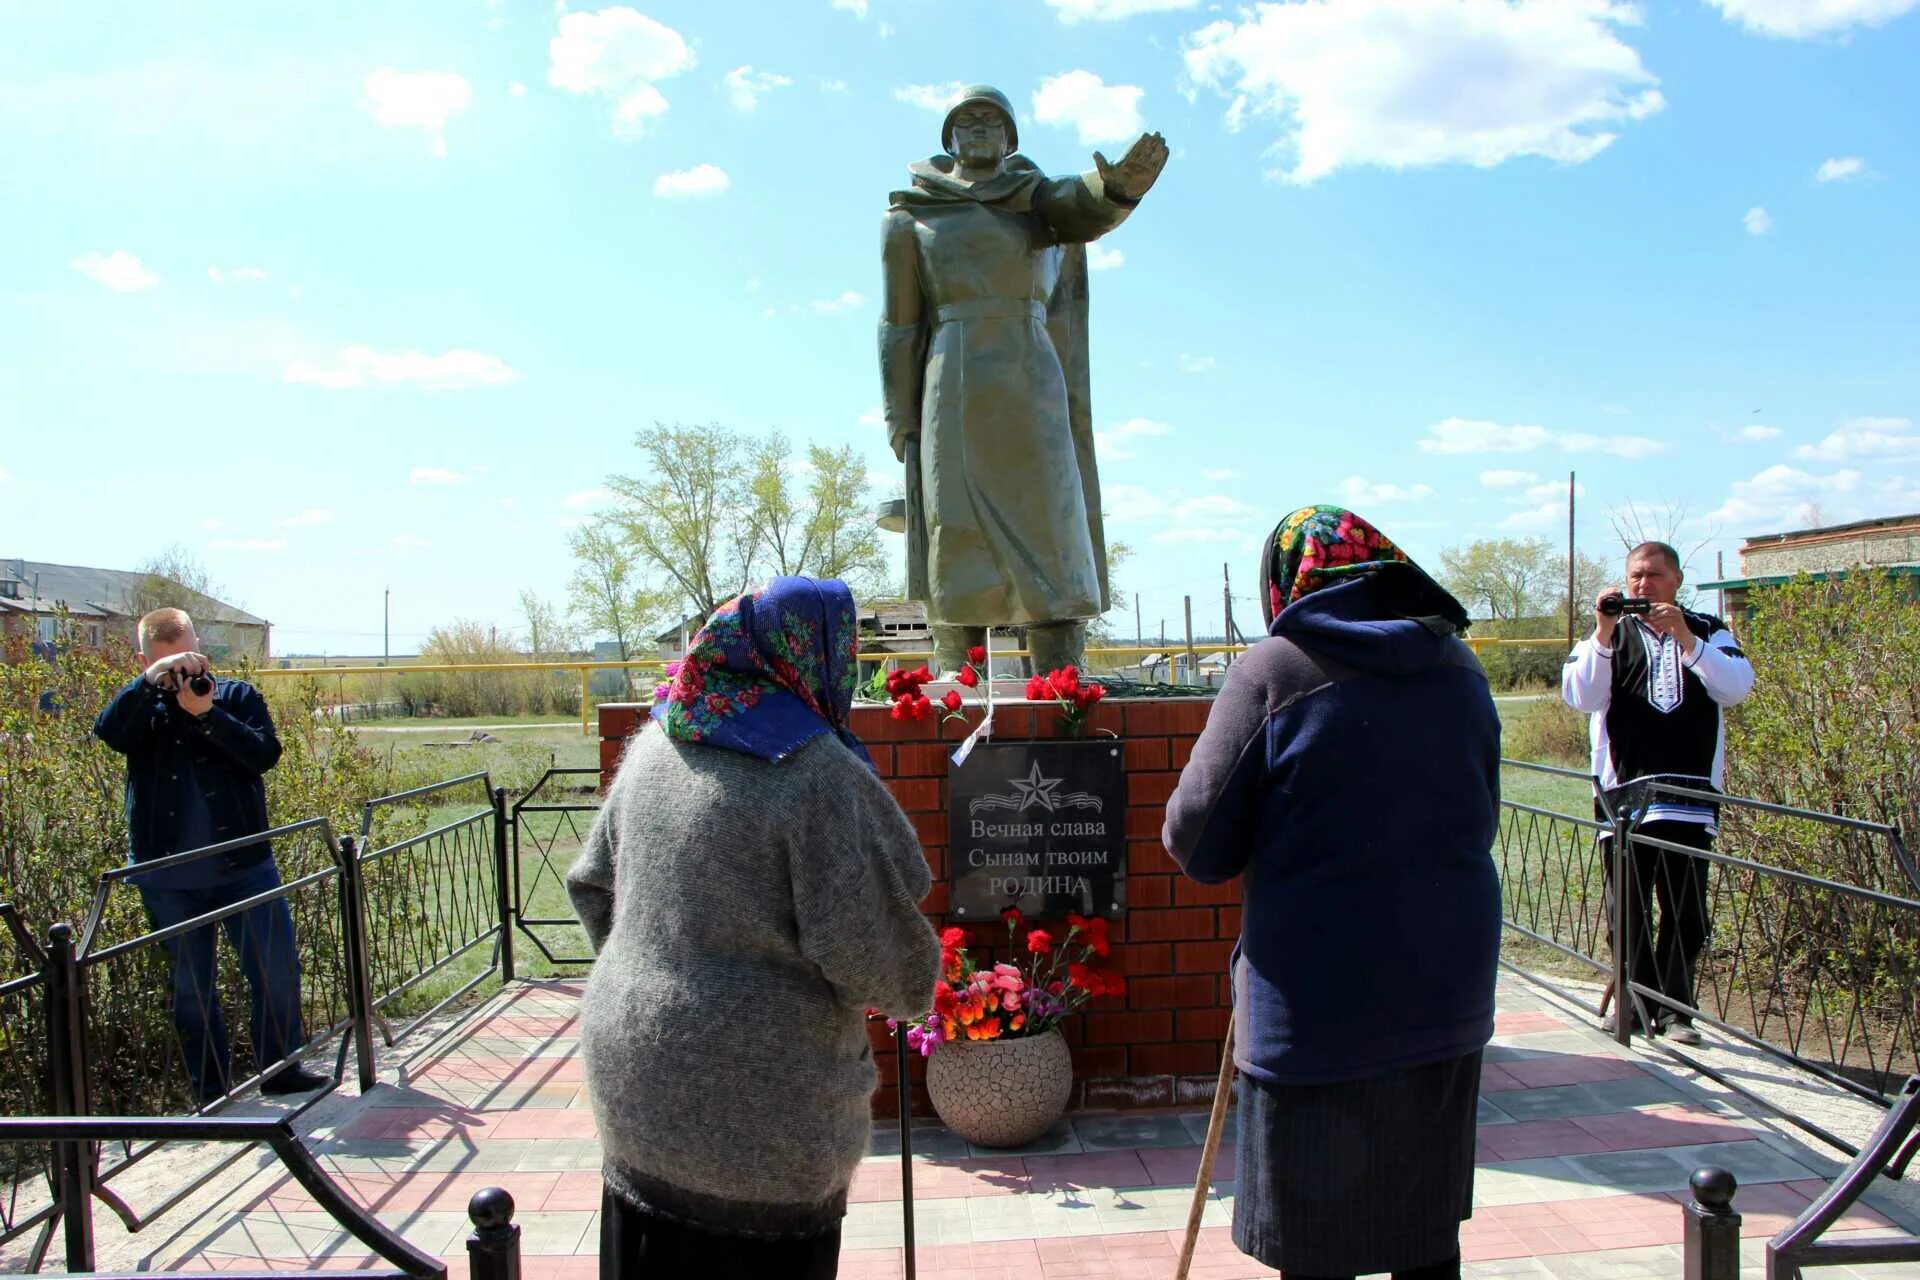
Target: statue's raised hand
(1134,176)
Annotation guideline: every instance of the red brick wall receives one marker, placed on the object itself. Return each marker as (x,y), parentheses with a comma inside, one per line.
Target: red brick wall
(1158,1044)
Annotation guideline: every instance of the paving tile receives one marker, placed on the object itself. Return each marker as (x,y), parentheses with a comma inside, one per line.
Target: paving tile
(1749,1162)
(1058,1140)
(1197,1121)
(1487,1113)
(1130,1132)
(1632,1170)
(1182,1164)
(1090,1169)
(928,1140)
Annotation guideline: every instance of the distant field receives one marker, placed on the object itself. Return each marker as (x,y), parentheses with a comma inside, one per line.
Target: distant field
(456,722)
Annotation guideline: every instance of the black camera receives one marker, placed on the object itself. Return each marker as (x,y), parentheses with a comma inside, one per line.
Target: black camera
(202,684)
(1614,606)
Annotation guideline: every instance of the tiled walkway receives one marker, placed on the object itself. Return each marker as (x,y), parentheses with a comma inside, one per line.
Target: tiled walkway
(1584,1157)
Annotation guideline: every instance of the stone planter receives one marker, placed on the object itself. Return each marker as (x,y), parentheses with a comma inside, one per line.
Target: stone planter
(1001,1093)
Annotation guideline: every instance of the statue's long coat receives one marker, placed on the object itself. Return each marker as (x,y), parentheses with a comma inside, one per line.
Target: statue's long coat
(983,358)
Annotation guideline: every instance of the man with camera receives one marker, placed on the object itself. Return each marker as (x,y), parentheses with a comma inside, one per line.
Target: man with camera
(1654,678)
(197,746)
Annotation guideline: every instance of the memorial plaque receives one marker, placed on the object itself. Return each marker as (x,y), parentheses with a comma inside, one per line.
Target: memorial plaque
(1040,826)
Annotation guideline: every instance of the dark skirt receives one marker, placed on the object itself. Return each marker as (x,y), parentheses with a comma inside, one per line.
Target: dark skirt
(1357,1176)
(638,1245)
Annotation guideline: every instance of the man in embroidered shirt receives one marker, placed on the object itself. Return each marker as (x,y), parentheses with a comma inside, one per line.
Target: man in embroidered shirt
(1655,689)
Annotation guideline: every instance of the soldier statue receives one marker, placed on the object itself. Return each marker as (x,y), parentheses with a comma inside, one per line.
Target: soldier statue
(983,366)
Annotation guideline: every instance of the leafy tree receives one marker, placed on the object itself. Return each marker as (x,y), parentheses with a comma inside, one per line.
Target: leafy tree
(550,635)
(173,579)
(608,594)
(691,518)
(845,541)
(1502,579)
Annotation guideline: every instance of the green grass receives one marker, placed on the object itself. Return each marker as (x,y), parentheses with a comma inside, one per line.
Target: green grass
(455,722)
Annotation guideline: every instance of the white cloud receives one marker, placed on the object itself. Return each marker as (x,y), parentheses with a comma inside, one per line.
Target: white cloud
(1099,112)
(1757,221)
(586,498)
(845,302)
(1839,168)
(1467,435)
(620,54)
(1112,443)
(1786,496)
(435,477)
(1187,534)
(1503,479)
(873,417)
(1212,506)
(119,271)
(858,8)
(248,544)
(1755,431)
(410,541)
(361,366)
(930,97)
(833,86)
(1196,364)
(1539,515)
(423,100)
(1803,19)
(1408,83)
(6,476)
(1360,490)
(213,526)
(1071,11)
(746,87)
(515,89)
(310,518)
(1131,502)
(1883,438)
(1219,473)
(1101,258)
(701,180)
(236,275)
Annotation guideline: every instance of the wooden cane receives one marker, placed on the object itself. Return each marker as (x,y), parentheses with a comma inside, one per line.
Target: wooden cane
(1222,1093)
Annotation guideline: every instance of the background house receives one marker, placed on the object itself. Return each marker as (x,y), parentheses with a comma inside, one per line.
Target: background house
(1891,543)
(106,604)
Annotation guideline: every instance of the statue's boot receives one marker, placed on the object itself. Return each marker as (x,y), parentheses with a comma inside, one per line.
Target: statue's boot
(950,645)
(1057,644)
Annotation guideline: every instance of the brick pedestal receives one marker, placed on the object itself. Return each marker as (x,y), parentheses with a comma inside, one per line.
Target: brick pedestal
(1158,1045)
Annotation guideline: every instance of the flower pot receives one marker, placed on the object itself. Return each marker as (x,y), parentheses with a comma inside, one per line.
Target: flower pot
(1001,1093)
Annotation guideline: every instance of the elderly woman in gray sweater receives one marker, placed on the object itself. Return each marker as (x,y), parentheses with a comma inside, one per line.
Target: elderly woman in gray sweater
(750,890)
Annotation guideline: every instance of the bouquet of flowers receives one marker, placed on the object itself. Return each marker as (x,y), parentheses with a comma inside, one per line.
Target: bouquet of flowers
(909,703)
(1006,1001)
(1076,697)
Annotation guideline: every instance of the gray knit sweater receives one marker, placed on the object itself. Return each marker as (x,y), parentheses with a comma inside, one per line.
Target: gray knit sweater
(745,914)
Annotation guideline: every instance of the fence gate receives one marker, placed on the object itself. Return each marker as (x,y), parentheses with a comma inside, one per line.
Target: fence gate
(543,822)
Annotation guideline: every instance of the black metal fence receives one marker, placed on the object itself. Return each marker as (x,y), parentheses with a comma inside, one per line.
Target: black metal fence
(343,936)
(1747,937)
(546,813)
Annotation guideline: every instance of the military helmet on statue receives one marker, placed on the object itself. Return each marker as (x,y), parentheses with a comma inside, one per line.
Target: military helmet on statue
(981,95)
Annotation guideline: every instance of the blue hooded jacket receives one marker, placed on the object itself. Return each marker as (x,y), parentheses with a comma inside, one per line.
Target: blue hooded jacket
(1349,771)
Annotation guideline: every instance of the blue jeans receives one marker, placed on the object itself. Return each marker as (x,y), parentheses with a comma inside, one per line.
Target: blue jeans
(263,939)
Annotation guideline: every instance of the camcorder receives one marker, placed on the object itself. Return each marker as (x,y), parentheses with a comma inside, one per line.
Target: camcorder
(1614,606)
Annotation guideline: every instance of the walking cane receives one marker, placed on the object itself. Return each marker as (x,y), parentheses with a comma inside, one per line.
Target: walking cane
(1222,1091)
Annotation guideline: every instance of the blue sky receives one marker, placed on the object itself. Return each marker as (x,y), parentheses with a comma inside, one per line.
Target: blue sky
(350,296)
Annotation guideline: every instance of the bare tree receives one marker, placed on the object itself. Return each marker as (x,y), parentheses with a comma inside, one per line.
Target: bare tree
(173,579)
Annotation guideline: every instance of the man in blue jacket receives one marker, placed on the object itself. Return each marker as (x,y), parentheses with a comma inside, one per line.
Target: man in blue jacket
(197,746)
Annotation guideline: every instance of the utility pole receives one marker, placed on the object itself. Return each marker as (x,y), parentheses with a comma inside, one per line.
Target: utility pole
(1193,666)
(1720,575)
(1570,562)
(1226,611)
(1136,621)
(386,626)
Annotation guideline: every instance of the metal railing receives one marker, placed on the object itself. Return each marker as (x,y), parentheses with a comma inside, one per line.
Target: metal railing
(493,1249)
(1812,971)
(536,823)
(137,1025)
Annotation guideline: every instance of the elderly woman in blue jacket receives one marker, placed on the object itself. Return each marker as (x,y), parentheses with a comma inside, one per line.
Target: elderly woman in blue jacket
(1349,772)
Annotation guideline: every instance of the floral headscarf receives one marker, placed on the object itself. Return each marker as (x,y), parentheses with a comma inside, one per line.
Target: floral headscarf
(1316,547)
(771,671)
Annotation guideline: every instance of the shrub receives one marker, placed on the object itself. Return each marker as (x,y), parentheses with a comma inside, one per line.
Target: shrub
(1549,732)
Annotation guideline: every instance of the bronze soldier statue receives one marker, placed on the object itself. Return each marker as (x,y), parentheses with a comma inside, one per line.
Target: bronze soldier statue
(983,368)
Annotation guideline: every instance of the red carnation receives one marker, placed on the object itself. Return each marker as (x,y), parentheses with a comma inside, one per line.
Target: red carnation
(1013,917)
(1097,936)
(977,654)
(1037,690)
(953,936)
(952,701)
(968,677)
(1039,941)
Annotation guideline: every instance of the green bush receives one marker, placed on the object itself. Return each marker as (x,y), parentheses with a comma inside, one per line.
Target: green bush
(1549,732)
